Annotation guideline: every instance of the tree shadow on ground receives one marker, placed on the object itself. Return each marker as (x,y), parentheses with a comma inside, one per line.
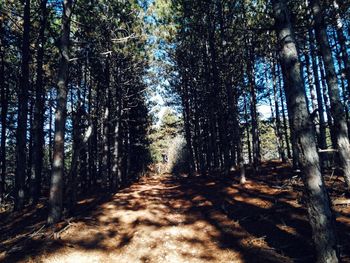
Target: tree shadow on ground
(262,221)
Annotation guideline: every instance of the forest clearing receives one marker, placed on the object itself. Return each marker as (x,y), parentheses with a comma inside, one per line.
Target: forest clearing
(174,131)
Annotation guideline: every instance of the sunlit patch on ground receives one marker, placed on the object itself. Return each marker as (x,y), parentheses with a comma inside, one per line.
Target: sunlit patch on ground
(168,219)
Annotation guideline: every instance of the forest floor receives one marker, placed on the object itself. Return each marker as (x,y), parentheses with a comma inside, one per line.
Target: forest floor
(163,218)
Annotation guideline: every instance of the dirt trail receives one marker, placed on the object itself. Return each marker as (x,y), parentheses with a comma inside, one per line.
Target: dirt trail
(175,220)
(151,221)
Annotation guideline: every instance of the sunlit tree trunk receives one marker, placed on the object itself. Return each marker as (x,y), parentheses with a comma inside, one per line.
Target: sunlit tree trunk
(246,118)
(318,203)
(56,188)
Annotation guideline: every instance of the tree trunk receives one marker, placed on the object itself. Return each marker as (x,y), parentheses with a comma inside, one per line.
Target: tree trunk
(106,130)
(39,109)
(71,190)
(187,123)
(322,125)
(30,143)
(4,109)
(342,43)
(344,93)
(50,147)
(337,110)
(21,132)
(56,188)
(327,105)
(277,110)
(247,128)
(284,118)
(253,111)
(318,203)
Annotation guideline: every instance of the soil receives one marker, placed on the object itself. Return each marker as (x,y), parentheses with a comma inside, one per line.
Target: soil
(167,218)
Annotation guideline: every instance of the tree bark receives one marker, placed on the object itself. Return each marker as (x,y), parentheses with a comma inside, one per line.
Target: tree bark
(277,110)
(318,204)
(342,43)
(337,110)
(21,132)
(284,118)
(246,117)
(253,111)
(56,188)
(322,125)
(4,109)
(39,109)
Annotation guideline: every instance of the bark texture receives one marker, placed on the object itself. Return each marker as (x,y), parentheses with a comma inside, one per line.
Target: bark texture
(21,132)
(337,109)
(318,204)
(56,188)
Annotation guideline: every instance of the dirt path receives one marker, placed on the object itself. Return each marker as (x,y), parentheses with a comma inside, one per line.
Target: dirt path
(151,221)
(164,219)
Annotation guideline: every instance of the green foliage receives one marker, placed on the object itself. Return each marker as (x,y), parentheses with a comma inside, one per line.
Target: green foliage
(268,140)
(162,136)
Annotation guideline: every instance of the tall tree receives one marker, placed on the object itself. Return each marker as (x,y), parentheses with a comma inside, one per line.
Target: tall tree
(337,109)
(318,204)
(21,133)
(39,108)
(56,188)
(4,107)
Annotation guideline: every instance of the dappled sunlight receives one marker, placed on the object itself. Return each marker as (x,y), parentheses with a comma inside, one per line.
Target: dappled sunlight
(164,218)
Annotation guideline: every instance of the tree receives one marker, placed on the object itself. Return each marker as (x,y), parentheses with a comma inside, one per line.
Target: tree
(337,110)
(39,108)
(56,188)
(21,132)
(318,204)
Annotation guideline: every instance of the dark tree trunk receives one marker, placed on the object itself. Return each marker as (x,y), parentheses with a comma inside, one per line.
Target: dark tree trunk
(187,123)
(106,171)
(56,188)
(337,109)
(284,118)
(39,110)
(253,111)
(322,126)
(327,105)
(344,93)
(72,182)
(4,109)
(21,133)
(342,43)
(278,117)
(318,203)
